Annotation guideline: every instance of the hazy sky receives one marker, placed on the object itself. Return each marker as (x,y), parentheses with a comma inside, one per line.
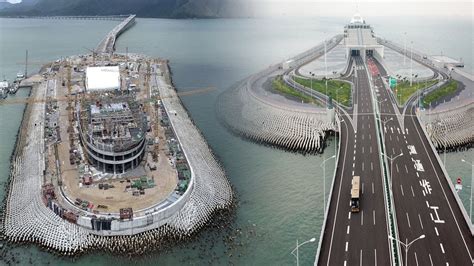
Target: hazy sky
(346,8)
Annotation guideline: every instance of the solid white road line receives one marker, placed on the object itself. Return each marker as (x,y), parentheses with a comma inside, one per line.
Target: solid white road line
(416,259)
(401,188)
(361,257)
(375,256)
(431,261)
(421,223)
(408,220)
(442,248)
(345,263)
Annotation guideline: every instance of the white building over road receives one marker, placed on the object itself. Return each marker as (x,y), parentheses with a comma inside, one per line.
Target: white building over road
(359,39)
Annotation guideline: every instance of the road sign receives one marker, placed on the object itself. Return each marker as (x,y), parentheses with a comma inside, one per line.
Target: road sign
(392,82)
(458,185)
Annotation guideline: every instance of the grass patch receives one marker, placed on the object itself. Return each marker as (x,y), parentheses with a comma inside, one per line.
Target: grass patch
(343,89)
(279,85)
(404,90)
(446,90)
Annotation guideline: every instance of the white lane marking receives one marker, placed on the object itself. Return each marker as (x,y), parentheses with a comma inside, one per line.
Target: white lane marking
(421,223)
(398,139)
(406,168)
(416,259)
(373,213)
(354,158)
(362,218)
(371,166)
(431,261)
(361,257)
(396,165)
(390,137)
(362,149)
(424,194)
(427,205)
(385,129)
(391,129)
(398,130)
(349,216)
(362,166)
(370,136)
(345,263)
(362,136)
(408,219)
(375,256)
(362,126)
(362,188)
(418,175)
(412,192)
(436,231)
(406,129)
(352,172)
(373,191)
(442,248)
(348,229)
(401,188)
(347,245)
(370,149)
(355,151)
(353,165)
(393,150)
(368,125)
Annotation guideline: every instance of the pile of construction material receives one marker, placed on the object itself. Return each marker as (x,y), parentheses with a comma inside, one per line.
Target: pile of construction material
(451,129)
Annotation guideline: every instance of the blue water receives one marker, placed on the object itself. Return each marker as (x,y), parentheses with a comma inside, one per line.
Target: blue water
(279,193)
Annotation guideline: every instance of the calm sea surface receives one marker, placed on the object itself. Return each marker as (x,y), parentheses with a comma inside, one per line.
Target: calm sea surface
(280,194)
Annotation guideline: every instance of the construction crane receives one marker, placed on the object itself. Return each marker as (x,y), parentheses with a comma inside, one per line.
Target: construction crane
(63,99)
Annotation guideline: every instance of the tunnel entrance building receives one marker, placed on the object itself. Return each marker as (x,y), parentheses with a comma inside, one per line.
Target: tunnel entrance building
(360,40)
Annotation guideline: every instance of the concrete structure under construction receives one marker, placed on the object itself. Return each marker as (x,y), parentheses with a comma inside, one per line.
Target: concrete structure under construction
(359,39)
(112,133)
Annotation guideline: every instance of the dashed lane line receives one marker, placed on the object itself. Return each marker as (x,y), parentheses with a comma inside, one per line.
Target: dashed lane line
(362,218)
(442,248)
(421,223)
(406,168)
(412,192)
(373,213)
(408,220)
(436,231)
(347,245)
(348,229)
(401,189)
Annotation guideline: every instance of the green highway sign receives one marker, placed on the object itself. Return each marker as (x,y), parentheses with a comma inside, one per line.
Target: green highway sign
(392,82)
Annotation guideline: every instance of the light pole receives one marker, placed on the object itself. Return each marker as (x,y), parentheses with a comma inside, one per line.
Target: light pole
(411,63)
(445,141)
(297,247)
(323,165)
(391,166)
(407,245)
(472,183)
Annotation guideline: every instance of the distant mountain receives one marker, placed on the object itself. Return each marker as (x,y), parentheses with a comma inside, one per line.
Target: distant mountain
(4,4)
(143,8)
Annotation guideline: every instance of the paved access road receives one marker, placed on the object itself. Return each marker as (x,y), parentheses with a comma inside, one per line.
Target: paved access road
(424,202)
(357,238)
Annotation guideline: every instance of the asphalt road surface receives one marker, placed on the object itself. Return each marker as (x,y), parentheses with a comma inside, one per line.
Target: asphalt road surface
(357,238)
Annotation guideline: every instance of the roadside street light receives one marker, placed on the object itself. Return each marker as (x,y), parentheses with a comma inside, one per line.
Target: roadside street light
(472,183)
(297,247)
(323,165)
(406,245)
(391,166)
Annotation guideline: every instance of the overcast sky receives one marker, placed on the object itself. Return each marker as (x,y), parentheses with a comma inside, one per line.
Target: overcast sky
(346,8)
